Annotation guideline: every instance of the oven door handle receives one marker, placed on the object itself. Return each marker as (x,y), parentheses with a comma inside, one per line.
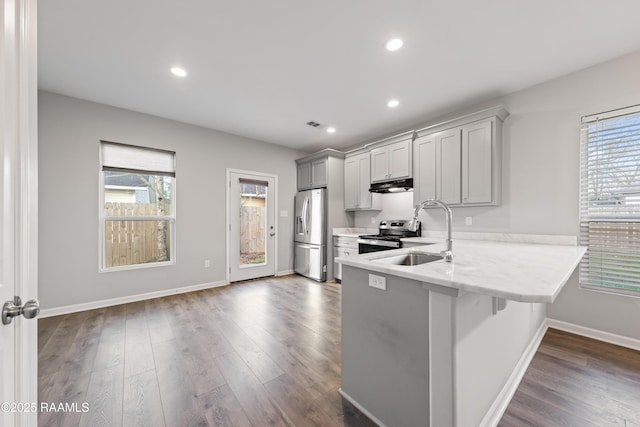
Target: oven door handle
(374,242)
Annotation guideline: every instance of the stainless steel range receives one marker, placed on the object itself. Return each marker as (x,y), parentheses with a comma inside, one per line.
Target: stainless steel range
(389,234)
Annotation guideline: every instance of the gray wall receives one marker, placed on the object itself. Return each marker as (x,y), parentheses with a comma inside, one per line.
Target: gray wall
(541,178)
(540,189)
(69,132)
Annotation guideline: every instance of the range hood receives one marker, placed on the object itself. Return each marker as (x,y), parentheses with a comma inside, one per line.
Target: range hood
(396,186)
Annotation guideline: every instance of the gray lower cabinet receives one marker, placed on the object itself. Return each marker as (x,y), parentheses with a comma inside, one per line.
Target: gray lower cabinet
(343,246)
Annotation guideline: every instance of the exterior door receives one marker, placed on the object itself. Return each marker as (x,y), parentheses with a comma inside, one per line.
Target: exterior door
(18,205)
(252,230)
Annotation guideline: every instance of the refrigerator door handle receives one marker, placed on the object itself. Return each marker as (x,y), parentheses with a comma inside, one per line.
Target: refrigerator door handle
(315,248)
(305,216)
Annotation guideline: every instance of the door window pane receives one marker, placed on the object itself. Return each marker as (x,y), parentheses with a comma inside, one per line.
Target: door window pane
(253,223)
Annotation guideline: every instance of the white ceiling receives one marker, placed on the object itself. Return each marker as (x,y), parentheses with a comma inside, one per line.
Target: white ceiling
(262,69)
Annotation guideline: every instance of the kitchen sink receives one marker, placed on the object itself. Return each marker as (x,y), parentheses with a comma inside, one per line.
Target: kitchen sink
(412,258)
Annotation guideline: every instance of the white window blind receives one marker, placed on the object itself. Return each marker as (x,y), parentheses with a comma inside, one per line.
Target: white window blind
(117,156)
(610,201)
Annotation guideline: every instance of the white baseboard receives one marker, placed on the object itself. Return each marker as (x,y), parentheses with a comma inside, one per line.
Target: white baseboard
(499,406)
(48,312)
(620,340)
(284,273)
(361,408)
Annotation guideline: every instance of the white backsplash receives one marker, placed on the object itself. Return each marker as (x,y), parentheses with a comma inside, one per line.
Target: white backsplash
(394,206)
(486,220)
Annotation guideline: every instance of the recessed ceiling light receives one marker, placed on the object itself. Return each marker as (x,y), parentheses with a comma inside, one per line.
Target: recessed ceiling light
(394,44)
(177,71)
(393,103)
(331,129)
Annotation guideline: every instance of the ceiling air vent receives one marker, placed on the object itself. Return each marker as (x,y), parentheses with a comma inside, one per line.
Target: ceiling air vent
(313,124)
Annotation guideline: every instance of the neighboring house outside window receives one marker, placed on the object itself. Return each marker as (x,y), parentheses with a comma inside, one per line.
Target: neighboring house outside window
(137,209)
(610,201)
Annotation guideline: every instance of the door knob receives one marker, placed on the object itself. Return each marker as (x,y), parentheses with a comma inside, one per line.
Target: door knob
(14,308)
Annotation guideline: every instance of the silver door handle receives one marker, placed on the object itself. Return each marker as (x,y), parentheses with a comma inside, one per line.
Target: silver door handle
(14,308)
(306,216)
(315,248)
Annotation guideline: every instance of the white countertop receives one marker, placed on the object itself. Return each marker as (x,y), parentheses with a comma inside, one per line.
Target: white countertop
(522,272)
(353,231)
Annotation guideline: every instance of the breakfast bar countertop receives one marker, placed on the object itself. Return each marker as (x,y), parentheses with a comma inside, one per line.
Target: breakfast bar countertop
(524,272)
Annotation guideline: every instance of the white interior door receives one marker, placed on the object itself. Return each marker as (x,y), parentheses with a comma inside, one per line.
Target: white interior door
(251,232)
(18,205)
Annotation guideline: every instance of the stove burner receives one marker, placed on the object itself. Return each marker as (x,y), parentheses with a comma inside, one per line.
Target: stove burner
(390,233)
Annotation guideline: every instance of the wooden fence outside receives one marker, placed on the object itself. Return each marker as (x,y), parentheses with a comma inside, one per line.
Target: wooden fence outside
(252,230)
(133,241)
(136,242)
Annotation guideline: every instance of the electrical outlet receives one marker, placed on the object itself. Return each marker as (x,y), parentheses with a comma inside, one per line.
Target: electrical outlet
(207,263)
(378,282)
(373,220)
(468,220)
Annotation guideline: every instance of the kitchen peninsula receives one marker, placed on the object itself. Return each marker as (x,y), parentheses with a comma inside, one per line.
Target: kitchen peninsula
(442,344)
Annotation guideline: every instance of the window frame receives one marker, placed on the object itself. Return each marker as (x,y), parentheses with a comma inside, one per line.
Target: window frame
(607,221)
(102,218)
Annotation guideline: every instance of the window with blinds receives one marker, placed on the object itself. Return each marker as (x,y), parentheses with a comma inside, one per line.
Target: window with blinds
(137,209)
(610,201)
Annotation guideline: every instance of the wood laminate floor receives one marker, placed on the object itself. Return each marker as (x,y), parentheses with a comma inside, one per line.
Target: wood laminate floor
(259,353)
(267,353)
(577,381)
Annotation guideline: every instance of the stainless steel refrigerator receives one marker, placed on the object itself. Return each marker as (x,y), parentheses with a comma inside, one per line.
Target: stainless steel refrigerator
(310,238)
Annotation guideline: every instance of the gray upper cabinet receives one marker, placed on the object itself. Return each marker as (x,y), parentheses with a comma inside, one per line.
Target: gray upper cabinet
(448,155)
(459,162)
(319,173)
(424,171)
(304,176)
(391,161)
(478,163)
(357,180)
(312,174)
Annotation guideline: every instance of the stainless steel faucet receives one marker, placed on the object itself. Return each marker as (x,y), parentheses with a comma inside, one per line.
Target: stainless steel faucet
(413,224)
